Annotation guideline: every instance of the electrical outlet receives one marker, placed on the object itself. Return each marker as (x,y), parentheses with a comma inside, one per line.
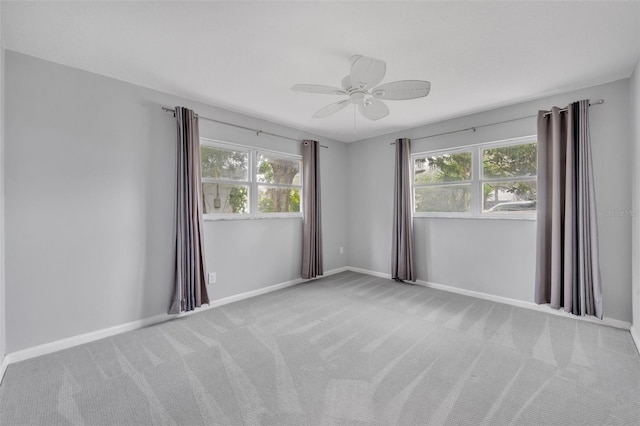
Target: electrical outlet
(341,250)
(212,277)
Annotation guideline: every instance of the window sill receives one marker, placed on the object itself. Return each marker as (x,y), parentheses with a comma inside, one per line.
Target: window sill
(514,217)
(234,218)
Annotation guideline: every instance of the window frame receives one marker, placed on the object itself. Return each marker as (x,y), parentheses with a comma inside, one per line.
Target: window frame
(252,182)
(439,152)
(482,180)
(477,180)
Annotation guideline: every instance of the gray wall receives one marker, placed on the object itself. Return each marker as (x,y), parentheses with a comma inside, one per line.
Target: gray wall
(496,256)
(2,291)
(635,217)
(89,204)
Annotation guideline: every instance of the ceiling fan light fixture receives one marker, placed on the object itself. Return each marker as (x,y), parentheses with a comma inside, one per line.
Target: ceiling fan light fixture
(357,98)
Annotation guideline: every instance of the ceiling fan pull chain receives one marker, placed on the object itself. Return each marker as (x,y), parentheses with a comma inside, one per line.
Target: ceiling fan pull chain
(354,119)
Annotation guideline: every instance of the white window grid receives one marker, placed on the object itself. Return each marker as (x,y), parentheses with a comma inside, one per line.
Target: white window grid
(252,182)
(477,180)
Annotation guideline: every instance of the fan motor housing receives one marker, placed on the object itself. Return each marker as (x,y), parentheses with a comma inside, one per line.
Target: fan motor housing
(358,97)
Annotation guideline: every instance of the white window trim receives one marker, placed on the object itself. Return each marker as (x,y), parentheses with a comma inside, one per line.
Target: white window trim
(252,183)
(476,211)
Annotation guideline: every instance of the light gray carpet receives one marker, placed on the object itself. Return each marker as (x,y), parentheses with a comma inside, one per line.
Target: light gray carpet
(348,349)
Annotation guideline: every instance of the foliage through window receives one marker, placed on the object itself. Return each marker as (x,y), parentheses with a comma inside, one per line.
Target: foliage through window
(442,182)
(238,181)
(509,178)
(278,180)
(492,179)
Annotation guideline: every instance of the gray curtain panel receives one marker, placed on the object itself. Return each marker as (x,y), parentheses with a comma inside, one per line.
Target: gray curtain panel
(402,267)
(567,264)
(312,262)
(190,289)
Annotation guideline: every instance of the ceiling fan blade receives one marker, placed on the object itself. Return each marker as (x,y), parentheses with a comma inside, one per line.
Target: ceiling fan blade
(374,109)
(367,72)
(318,88)
(331,109)
(346,83)
(401,90)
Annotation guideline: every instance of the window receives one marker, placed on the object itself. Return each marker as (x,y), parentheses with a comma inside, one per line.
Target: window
(494,179)
(225,180)
(278,178)
(243,182)
(509,178)
(442,182)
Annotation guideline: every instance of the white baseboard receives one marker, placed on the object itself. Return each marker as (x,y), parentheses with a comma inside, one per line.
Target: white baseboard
(247,295)
(611,322)
(80,339)
(335,271)
(70,342)
(368,272)
(3,367)
(636,338)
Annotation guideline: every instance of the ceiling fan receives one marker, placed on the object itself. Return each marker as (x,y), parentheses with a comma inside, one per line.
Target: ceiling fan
(360,86)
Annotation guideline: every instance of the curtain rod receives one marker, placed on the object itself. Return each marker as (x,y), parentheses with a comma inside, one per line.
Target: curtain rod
(598,102)
(257,132)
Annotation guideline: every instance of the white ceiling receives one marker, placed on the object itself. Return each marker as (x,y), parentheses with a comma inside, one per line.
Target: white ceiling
(245,56)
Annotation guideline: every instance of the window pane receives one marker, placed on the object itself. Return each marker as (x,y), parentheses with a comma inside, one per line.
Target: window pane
(510,196)
(220,163)
(273,168)
(219,198)
(442,168)
(444,198)
(272,199)
(510,161)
